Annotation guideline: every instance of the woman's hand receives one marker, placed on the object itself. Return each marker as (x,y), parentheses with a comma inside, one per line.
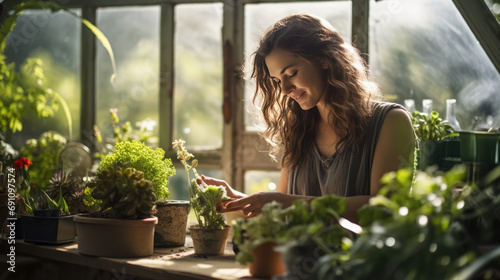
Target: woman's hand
(233,194)
(251,205)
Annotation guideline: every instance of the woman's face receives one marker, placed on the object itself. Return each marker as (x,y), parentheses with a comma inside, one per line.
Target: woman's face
(301,80)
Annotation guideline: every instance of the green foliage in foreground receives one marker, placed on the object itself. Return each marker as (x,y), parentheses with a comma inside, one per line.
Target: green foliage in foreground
(415,228)
(296,225)
(417,233)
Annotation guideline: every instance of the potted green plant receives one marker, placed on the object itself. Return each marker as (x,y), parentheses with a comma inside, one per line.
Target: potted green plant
(302,233)
(172,215)
(48,223)
(124,225)
(439,143)
(210,234)
(46,220)
(255,241)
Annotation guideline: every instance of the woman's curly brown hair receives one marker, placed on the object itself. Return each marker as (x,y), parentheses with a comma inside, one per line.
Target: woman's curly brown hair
(350,91)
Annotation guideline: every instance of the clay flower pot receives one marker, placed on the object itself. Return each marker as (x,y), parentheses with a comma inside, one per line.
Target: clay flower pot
(116,238)
(209,241)
(266,261)
(172,223)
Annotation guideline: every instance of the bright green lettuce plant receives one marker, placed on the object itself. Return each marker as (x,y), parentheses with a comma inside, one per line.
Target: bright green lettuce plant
(152,162)
(203,198)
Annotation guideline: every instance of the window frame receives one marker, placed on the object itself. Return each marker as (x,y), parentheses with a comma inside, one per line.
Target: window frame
(236,140)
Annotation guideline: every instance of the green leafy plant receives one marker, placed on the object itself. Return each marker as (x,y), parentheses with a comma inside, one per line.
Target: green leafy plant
(25,91)
(38,199)
(204,198)
(151,162)
(314,226)
(123,192)
(411,230)
(44,153)
(35,198)
(431,127)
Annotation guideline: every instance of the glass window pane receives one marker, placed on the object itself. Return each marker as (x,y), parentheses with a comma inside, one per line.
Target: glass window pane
(425,50)
(258,17)
(134,34)
(54,39)
(256,181)
(198,74)
(494,6)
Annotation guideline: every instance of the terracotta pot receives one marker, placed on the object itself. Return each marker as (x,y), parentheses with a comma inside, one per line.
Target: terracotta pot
(172,223)
(116,238)
(266,262)
(209,241)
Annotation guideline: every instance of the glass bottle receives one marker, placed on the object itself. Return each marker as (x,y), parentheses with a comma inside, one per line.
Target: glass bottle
(410,105)
(427,106)
(450,114)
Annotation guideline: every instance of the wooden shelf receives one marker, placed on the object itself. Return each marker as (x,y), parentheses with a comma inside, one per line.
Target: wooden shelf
(165,263)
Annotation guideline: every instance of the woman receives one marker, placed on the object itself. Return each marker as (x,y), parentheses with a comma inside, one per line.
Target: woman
(325,117)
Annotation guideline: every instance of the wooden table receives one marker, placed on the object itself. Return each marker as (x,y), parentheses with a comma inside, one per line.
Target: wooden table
(165,263)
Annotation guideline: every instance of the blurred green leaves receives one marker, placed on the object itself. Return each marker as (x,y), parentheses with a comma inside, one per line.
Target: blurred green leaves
(431,127)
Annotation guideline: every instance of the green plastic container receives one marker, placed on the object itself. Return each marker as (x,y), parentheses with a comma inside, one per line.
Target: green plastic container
(480,146)
(444,154)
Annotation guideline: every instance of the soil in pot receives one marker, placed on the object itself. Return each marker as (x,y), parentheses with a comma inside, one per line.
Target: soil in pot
(266,261)
(116,238)
(172,223)
(209,241)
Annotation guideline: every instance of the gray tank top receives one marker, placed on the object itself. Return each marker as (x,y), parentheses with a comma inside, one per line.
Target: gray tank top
(344,174)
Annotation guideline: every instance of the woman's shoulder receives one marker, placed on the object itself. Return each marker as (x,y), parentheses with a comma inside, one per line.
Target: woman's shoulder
(388,114)
(382,106)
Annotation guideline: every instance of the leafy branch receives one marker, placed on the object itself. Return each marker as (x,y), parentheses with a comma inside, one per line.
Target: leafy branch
(26,91)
